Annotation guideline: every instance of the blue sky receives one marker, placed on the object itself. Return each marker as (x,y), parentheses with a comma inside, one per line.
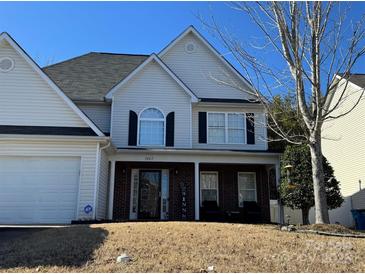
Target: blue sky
(52,32)
(55,31)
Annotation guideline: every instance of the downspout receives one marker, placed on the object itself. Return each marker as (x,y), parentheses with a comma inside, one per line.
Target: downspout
(97,172)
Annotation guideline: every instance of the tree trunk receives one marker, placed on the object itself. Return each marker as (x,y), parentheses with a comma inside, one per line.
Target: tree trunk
(320,198)
(305,216)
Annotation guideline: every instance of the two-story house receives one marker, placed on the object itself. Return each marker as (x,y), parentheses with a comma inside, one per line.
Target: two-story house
(126,137)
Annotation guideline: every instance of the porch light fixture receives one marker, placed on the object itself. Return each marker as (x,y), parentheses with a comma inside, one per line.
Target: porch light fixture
(288,168)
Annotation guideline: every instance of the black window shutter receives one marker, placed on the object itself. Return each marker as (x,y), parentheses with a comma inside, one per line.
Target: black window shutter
(170,129)
(202,127)
(250,128)
(132,131)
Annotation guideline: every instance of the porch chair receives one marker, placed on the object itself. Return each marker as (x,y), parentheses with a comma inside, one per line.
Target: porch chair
(210,211)
(251,213)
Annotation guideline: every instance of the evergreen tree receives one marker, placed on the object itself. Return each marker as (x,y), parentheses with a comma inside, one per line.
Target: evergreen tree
(297,192)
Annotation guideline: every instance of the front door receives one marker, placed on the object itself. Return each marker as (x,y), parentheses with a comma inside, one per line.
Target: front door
(149,194)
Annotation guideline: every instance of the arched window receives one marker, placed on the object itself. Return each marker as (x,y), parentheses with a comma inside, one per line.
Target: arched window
(151,127)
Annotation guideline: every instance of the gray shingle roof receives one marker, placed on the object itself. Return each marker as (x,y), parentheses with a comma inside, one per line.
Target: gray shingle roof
(89,77)
(357,79)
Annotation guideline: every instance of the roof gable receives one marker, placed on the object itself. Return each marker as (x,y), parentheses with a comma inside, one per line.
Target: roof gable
(155,58)
(192,31)
(60,100)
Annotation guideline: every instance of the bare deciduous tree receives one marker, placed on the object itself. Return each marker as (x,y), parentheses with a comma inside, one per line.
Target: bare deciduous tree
(315,41)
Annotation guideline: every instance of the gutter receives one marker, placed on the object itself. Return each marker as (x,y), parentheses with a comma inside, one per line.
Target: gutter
(32,137)
(258,107)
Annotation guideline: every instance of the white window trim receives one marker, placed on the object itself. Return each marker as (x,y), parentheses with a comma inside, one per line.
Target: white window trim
(238,186)
(151,119)
(200,186)
(226,128)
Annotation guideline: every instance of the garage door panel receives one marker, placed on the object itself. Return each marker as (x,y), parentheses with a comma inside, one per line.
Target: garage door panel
(38,189)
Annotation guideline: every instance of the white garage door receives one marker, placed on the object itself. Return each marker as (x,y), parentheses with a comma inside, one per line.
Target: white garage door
(41,190)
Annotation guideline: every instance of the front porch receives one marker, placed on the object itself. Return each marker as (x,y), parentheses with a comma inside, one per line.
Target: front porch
(243,193)
(213,191)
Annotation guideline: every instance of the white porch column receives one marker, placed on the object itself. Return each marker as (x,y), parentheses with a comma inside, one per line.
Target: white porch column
(280,206)
(111,190)
(197,191)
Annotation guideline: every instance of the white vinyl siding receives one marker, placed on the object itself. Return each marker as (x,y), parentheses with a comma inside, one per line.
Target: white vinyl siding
(201,69)
(102,194)
(151,87)
(27,100)
(99,114)
(260,128)
(343,141)
(86,150)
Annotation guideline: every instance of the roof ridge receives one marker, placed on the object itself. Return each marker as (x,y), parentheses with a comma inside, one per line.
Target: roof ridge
(93,52)
(115,53)
(67,60)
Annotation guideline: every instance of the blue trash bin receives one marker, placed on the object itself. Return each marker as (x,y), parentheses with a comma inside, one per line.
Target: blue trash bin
(359,217)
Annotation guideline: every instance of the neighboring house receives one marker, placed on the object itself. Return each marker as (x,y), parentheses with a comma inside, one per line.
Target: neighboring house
(125,137)
(343,145)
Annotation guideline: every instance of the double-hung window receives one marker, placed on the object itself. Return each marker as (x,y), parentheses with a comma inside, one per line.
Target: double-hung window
(236,126)
(226,128)
(208,186)
(216,128)
(246,187)
(152,127)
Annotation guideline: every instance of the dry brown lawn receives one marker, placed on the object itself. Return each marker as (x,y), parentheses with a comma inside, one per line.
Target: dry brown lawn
(180,247)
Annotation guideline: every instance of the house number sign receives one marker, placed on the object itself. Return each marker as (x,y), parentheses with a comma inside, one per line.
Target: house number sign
(148,158)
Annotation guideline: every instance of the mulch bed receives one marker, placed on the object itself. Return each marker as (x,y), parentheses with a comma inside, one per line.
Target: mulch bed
(330,230)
